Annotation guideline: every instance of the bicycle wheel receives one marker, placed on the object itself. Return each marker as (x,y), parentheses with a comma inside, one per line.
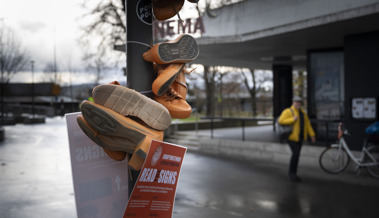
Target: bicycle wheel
(334,160)
(373,169)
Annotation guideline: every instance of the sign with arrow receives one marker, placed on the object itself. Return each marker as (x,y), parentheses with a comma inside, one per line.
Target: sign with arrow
(100,183)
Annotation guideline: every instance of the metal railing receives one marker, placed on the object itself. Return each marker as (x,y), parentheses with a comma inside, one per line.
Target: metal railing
(243,120)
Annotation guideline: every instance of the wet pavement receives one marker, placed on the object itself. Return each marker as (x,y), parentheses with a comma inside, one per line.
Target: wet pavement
(35,181)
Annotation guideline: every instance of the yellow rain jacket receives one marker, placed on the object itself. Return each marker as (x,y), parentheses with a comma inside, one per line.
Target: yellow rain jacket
(286,118)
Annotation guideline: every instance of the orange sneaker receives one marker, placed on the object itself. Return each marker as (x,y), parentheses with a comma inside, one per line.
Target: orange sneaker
(109,122)
(180,85)
(136,162)
(111,143)
(175,103)
(129,102)
(115,155)
(163,9)
(166,76)
(181,50)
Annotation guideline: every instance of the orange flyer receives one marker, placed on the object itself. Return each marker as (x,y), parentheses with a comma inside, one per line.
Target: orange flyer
(154,192)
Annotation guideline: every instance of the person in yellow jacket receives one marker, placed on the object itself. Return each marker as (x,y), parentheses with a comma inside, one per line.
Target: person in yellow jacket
(301,128)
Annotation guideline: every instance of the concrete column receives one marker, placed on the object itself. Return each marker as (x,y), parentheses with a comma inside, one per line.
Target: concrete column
(282,88)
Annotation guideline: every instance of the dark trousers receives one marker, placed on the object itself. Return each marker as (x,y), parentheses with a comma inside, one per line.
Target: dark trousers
(294,162)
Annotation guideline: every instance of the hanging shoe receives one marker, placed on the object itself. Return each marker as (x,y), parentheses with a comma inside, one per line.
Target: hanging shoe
(115,155)
(179,85)
(166,76)
(111,143)
(175,103)
(109,122)
(128,102)
(136,162)
(163,9)
(181,50)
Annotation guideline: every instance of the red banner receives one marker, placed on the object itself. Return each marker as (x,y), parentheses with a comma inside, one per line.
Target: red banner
(154,192)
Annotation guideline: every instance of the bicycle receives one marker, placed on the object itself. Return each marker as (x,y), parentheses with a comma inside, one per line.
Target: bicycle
(336,157)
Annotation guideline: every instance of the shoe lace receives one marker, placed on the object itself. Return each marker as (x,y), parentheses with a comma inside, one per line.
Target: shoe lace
(177,13)
(189,71)
(171,94)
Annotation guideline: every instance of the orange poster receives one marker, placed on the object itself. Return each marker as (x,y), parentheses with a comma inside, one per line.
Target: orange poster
(154,192)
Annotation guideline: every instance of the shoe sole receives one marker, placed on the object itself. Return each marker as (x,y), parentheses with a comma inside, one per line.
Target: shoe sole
(128,102)
(111,143)
(184,50)
(103,121)
(163,88)
(108,122)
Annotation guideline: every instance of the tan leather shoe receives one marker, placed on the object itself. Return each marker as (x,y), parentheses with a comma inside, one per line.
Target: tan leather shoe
(111,143)
(175,103)
(166,76)
(128,102)
(163,9)
(115,155)
(114,143)
(136,162)
(181,50)
(179,85)
(109,122)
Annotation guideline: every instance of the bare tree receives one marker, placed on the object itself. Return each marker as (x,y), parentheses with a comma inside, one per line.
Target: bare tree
(106,28)
(107,22)
(51,73)
(299,82)
(209,80)
(206,6)
(257,82)
(12,56)
(13,59)
(98,65)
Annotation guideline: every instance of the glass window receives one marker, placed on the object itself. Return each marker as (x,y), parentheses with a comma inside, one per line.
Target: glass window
(326,85)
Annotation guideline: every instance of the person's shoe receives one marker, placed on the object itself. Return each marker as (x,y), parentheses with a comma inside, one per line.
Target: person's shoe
(163,9)
(111,143)
(128,102)
(193,1)
(181,50)
(294,178)
(109,122)
(166,75)
(175,103)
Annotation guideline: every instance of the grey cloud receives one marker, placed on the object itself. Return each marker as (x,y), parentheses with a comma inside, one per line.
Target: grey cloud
(32,26)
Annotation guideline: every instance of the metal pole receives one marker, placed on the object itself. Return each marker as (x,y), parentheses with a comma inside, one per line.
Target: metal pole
(211,127)
(243,130)
(32,62)
(139,38)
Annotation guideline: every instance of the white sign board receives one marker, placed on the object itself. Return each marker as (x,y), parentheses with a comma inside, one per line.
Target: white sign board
(369,111)
(357,108)
(100,183)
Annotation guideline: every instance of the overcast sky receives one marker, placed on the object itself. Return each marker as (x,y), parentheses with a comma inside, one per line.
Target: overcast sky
(38,22)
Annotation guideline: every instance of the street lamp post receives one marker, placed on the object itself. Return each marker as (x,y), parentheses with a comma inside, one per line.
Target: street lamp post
(32,62)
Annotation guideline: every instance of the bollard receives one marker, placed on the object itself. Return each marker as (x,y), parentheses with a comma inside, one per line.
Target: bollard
(139,38)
